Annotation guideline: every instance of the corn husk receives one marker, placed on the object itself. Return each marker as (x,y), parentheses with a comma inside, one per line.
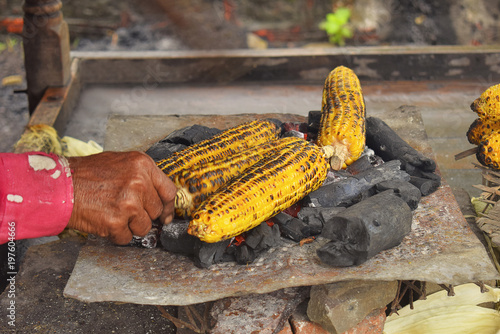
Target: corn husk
(44,138)
(440,313)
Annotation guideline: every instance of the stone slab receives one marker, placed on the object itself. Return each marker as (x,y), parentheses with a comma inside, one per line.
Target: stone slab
(441,248)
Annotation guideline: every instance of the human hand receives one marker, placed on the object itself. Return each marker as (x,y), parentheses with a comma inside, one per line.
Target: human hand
(118,194)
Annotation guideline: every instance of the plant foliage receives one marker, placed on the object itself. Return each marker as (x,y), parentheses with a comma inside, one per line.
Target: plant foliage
(336,26)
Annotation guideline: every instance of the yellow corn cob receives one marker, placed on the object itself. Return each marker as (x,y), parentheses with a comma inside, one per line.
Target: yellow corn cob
(343,117)
(228,142)
(489,150)
(194,185)
(262,191)
(481,128)
(487,106)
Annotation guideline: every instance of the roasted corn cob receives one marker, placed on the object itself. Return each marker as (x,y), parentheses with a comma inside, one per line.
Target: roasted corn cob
(194,185)
(263,190)
(343,115)
(230,141)
(489,150)
(487,106)
(481,128)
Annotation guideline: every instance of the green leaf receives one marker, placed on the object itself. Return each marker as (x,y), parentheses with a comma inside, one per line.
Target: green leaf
(346,32)
(335,25)
(343,14)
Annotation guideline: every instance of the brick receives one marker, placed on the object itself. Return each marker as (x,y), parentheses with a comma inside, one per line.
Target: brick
(258,313)
(287,329)
(372,324)
(302,325)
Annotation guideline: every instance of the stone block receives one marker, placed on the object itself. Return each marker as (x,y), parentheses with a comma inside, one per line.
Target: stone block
(372,324)
(338,307)
(257,313)
(287,329)
(301,324)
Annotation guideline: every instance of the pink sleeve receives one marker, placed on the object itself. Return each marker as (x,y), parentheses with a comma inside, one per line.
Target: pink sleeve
(36,195)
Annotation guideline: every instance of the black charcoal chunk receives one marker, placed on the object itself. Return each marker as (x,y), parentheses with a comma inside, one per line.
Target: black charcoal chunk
(151,239)
(162,150)
(365,229)
(312,217)
(346,191)
(245,255)
(191,135)
(207,254)
(314,120)
(360,165)
(291,227)
(316,217)
(426,186)
(327,213)
(277,122)
(407,191)
(263,237)
(389,145)
(294,133)
(174,237)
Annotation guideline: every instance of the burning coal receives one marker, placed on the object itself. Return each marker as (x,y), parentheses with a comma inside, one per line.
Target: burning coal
(362,210)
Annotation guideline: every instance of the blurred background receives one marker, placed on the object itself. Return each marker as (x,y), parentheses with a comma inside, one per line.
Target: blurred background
(107,25)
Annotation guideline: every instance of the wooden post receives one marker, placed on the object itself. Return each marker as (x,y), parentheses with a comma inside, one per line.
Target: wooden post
(46,48)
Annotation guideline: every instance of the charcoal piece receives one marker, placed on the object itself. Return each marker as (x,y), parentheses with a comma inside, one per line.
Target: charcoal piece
(294,133)
(363,163)
(407,191)
(291,228)
(207,254)
(316,217)
(426,186)
(281,218)
(245,255)
(191,135)
(162,150)
(345,192)
(315,226)
(327,213)
(151,239)
(263,237)
(389,145)
(290,126)
(365,229)
(277,122)
(314,121)
(174,237)
(312,217)
(415,171)
(335,176)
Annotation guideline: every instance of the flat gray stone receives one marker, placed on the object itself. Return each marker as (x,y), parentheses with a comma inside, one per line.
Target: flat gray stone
(441,247)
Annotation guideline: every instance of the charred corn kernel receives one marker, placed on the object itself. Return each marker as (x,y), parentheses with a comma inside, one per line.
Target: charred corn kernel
(481,128)
(263,190)
(489,150)
(230,141)
(194,185)
(343,116)
(487,106)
